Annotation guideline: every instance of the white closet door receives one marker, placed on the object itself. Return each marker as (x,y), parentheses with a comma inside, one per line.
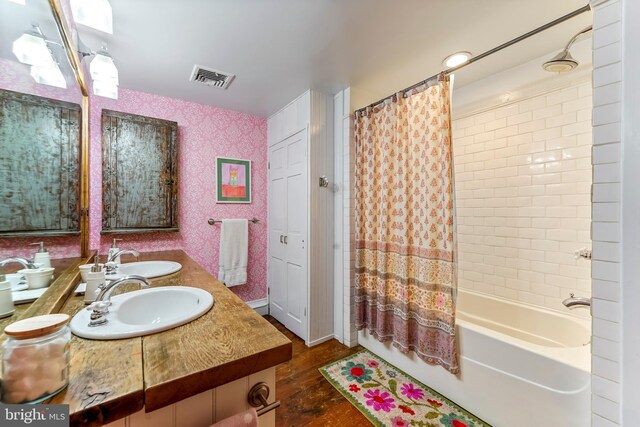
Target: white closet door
(288,232)
(296,237)
(277,230)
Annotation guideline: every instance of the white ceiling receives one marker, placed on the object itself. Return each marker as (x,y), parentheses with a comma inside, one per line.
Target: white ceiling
(280,48)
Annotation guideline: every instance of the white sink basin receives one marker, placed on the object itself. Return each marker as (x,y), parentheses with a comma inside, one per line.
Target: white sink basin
(148,269)
(18,282)
(145,312)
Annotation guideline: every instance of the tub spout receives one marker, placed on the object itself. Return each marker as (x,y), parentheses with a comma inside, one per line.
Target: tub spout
(574,302)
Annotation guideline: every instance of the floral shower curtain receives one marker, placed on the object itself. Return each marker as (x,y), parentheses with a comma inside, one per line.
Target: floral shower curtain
(405,286)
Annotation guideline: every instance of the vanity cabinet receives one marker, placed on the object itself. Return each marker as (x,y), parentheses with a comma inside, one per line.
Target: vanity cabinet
(300,242)
(188,376)
(39,166)
(208,407)
(139,173)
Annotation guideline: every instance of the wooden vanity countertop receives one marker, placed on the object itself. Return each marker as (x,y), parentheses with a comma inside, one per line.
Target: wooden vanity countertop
(109,380)
(53,297)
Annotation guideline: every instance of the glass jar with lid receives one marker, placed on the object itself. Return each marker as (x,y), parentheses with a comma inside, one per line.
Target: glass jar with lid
(35,358)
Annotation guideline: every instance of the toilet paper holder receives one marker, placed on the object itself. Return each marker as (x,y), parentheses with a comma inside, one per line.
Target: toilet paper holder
(258,396)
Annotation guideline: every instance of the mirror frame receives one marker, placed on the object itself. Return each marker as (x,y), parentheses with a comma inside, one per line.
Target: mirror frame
(76,66)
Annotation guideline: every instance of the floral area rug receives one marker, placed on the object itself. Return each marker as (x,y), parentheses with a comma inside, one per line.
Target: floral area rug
(389,397)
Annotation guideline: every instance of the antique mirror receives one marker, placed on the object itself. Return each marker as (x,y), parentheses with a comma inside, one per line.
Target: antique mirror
(43,136)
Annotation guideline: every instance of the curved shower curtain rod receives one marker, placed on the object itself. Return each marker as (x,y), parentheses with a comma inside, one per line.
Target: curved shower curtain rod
(473,59)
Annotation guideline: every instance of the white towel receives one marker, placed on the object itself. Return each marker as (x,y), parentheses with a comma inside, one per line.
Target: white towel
(234,250)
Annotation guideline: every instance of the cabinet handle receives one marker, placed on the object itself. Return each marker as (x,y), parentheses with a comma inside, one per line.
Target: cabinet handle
(285,240)
(281,238)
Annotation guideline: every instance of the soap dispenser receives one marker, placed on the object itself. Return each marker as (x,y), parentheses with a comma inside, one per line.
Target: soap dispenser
(42,256)
(112,250)
(95,279)
(6,302)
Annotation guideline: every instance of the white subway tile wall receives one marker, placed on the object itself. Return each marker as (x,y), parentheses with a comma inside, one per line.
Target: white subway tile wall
(523,180)
(606,323)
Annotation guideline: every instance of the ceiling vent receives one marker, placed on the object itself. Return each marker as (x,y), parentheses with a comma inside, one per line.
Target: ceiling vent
(211,77)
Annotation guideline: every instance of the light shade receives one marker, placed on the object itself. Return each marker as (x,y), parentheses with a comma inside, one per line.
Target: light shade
(105,89)
(103,69)
(456,59)
(51,76)
(31,48)
(93,13)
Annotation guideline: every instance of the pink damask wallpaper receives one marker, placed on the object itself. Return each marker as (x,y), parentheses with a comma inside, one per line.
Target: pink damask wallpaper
(204,133)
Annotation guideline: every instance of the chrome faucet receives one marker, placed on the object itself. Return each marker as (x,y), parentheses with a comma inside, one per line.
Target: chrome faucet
(574,302)
(111,267)
(123,252)
(101,305)
(20,260)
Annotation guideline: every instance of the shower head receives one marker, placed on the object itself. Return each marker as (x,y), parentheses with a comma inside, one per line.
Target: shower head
(560,63)
(564,61)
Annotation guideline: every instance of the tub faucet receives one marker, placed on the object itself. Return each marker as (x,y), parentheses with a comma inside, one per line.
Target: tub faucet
(111,266)
(574,302)
(20,260)
(101,305)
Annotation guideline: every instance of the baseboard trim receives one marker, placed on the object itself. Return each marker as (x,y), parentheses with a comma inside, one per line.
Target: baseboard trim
(352,343)
(260,305)
(320,340)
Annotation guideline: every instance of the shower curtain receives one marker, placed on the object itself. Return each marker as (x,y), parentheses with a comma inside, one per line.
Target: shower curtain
(405,283)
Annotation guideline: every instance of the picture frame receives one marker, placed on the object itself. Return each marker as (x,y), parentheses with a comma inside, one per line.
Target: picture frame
(233,180)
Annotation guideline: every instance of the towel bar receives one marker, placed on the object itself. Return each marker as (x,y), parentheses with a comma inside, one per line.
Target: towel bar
(258,396)
(215,221)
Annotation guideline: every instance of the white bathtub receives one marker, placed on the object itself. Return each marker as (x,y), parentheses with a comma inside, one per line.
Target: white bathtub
(520,365)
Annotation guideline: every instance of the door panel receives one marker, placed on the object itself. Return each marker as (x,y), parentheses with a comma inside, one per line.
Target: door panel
(277,199)
(278,276)
(296,154)
(296,233)
(278,218)
(277,161)
(297,219)
(288,231)
(296,298)
(277,273)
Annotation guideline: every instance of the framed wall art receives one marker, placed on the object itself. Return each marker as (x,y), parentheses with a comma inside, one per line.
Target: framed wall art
(233,180)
